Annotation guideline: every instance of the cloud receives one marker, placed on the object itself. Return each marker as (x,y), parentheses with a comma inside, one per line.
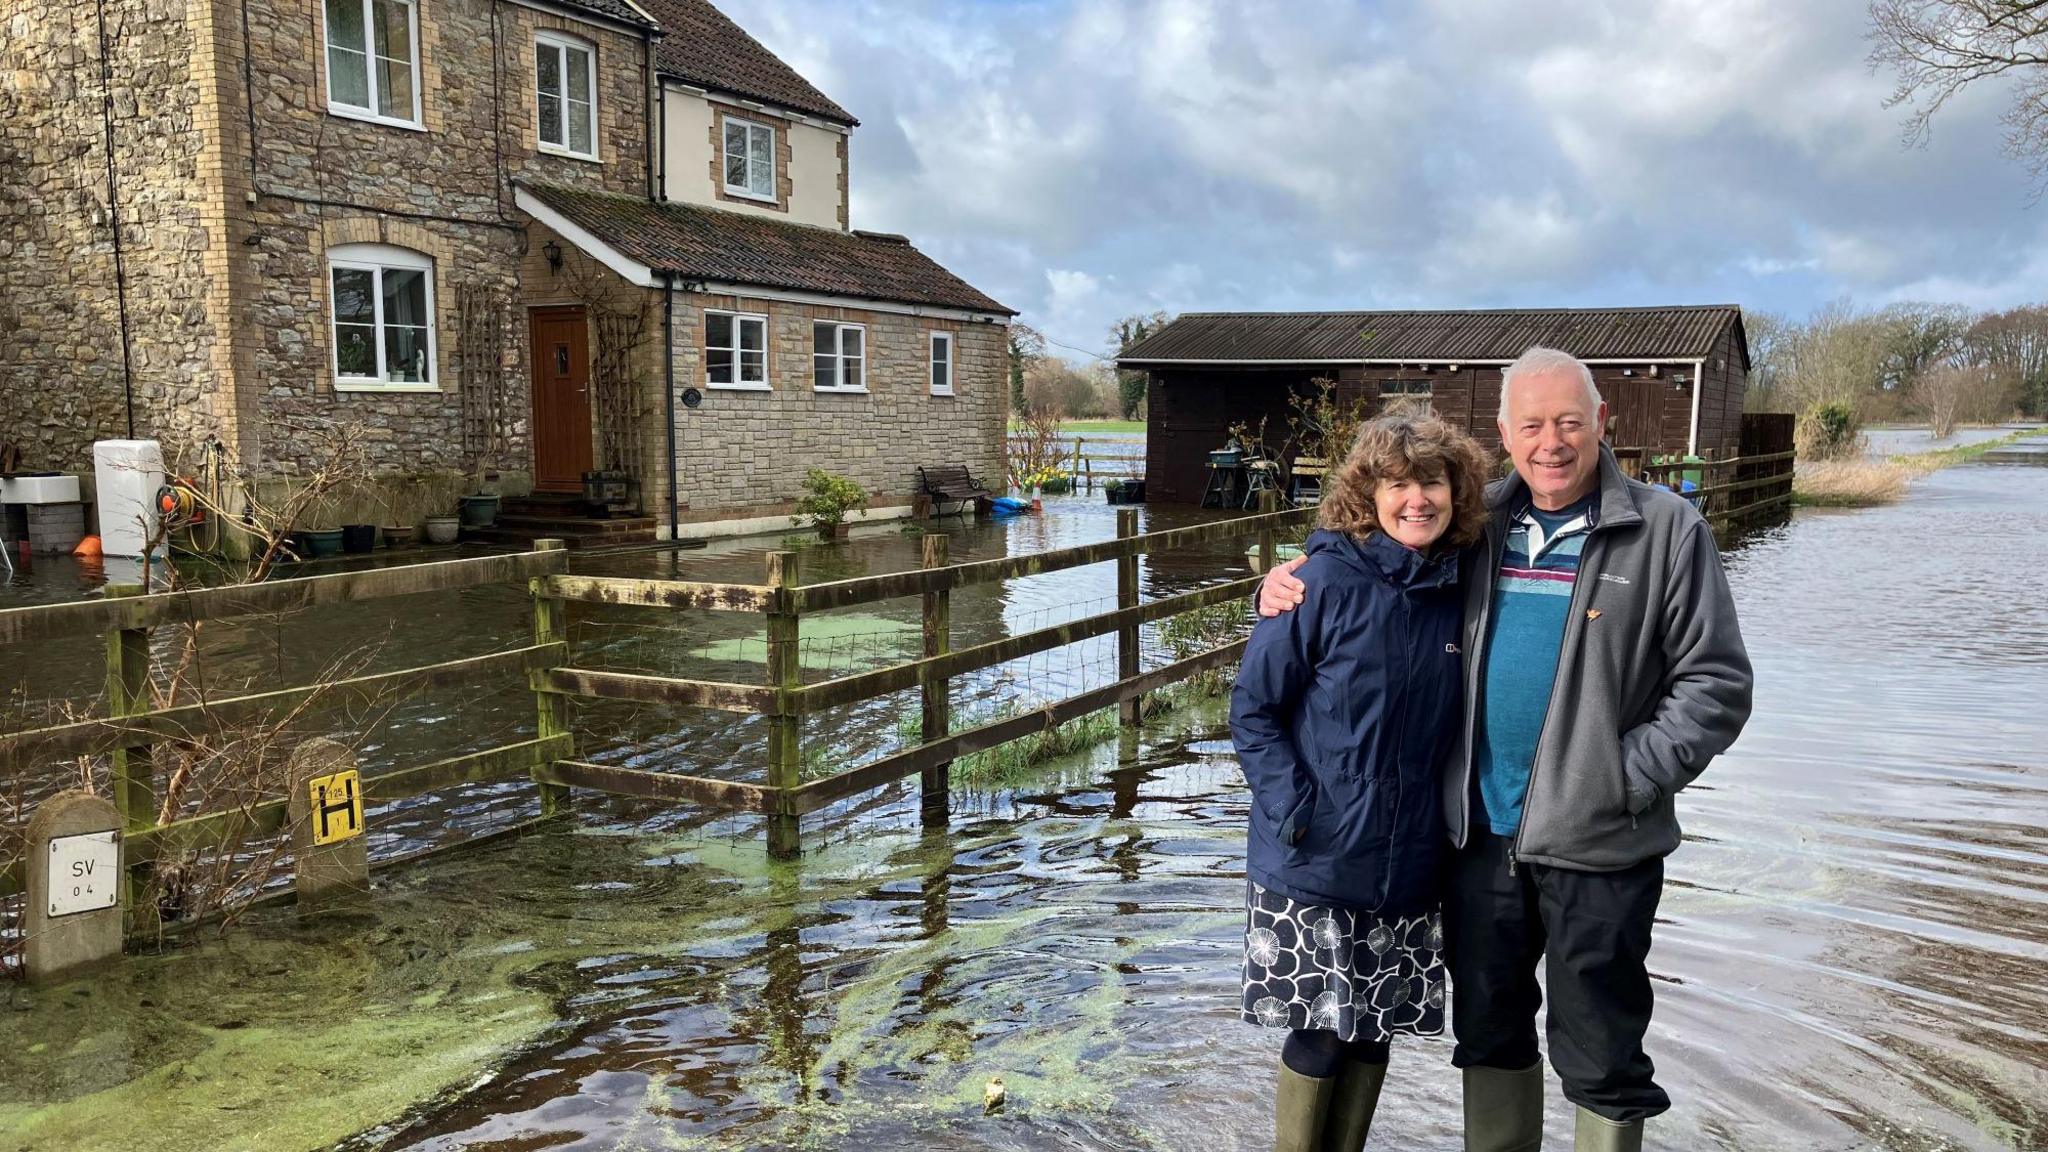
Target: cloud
(1085,159)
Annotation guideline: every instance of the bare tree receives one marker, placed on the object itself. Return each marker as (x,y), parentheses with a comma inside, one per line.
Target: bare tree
(1937,48)
(2014,345)
(1939,392)
(1769,334)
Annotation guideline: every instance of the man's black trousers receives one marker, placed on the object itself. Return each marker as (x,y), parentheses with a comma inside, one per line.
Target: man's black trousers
(1593,931)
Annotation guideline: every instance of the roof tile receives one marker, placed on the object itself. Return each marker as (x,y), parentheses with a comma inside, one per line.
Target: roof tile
(720,245)
(704,47)
(1478,335)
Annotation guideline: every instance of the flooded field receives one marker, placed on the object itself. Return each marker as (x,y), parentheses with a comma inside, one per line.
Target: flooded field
(1853,951)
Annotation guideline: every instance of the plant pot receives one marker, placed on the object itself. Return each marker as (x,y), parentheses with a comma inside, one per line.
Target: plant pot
(839,531)
(358,537)
(323,542)
(443,529)
(397,535)
(480,511)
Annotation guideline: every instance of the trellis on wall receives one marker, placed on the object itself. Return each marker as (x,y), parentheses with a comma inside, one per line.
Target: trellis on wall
(617,335)
(480,310)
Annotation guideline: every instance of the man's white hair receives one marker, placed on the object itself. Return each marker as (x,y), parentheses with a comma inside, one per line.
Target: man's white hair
(1540,361)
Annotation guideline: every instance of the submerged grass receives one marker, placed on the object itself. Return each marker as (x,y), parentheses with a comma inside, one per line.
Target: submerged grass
(1868,482)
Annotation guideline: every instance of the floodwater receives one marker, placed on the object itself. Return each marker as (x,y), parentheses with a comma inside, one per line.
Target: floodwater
(1852,951)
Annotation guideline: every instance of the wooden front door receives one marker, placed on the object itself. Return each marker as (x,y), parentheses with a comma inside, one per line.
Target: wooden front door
(561,399)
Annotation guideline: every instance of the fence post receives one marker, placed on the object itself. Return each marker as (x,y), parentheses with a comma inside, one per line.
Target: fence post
(1269,502)
(1075,471)
(785,723)
(936,781)
(550,623)
(1127,597)
(134,766)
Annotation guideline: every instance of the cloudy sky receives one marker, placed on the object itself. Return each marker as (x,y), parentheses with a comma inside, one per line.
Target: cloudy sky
(1084,159)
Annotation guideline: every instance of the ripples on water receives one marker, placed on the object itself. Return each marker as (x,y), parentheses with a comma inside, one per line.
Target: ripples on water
(1850,953)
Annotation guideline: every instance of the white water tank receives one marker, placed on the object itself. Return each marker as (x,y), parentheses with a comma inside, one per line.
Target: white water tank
(128,473)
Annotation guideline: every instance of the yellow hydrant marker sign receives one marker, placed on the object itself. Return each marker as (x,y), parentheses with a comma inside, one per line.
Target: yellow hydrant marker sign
(337,806)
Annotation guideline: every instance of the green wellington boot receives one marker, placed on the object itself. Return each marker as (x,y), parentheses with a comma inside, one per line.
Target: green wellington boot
(1352,1103)
(1503,1109)
(1596,1133)
(1300,1105)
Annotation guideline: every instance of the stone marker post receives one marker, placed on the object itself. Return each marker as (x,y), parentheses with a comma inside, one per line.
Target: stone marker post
(75,885)
(326,809)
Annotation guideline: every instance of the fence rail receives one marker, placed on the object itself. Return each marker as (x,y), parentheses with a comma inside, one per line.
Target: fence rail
(132,732)
(1765,475)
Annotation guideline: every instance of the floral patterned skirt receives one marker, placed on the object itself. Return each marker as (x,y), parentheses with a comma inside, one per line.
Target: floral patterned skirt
(1352,973)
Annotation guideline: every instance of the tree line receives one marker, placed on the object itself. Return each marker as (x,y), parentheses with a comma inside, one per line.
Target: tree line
(1040,379)
(1845,366)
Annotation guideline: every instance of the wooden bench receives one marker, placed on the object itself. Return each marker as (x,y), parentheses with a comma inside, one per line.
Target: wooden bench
(950,482)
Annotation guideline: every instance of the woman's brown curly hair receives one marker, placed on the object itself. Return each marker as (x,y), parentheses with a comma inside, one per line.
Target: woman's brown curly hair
(1404,445)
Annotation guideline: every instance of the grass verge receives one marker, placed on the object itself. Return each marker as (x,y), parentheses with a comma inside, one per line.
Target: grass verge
(1868,482)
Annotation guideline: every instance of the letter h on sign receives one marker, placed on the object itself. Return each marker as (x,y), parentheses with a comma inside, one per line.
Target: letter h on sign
(337,807)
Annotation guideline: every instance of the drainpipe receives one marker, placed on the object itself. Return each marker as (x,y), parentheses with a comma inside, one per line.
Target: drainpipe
(1692,440)
(668,341)
(114,217)
(661,133)
(653,89)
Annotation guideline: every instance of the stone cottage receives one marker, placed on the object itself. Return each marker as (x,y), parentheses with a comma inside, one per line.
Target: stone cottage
(565,241)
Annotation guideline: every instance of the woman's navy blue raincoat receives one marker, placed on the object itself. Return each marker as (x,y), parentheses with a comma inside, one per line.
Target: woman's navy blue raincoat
(1342,713)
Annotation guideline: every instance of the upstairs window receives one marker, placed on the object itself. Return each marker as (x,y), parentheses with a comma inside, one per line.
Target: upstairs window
(735,350)
(383,300)
(565,83)
(373,60)
(749,159)
(839,359)
(942,363)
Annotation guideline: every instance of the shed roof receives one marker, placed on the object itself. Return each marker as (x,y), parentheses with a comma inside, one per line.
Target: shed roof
(704,47)
(717,245)
(1684,332)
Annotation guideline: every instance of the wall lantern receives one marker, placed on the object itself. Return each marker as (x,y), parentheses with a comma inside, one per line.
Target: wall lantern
(553,252)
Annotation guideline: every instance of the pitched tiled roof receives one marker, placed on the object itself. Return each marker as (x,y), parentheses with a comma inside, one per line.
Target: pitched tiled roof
(704,47)
(1499,334)
(620,10)
(724,246)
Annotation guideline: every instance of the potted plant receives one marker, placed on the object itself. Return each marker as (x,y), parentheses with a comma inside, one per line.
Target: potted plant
(396,534)
(480,508)
(443,529)
(826,500)
(1113,492)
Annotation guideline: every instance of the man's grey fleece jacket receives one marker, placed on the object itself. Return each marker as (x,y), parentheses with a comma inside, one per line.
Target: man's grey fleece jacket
(1652,681)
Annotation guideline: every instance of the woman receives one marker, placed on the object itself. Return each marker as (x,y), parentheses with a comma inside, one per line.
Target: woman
(1341,713)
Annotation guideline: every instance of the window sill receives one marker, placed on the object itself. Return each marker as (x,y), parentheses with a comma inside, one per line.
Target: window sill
(739,387)
(944,392)
(842,391)
(566,154)
(369,117)
(380,386)
(747,194)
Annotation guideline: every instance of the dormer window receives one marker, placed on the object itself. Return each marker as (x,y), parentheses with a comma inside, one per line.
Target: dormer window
(565,86)
(373,61)
(749,159)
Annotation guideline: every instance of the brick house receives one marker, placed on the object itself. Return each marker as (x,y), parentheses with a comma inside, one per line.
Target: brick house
(540,237)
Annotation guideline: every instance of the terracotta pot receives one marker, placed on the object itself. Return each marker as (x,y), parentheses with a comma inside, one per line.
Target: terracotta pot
(397,535)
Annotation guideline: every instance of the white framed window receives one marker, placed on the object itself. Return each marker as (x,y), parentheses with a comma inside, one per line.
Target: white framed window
(382,299)
(736,350)
(839,357)
(749,159)
(565,95)
(373,60)
(942,363)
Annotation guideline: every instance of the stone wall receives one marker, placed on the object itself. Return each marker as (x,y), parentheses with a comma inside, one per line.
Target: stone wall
(744,453)
(61,362)
(324,180)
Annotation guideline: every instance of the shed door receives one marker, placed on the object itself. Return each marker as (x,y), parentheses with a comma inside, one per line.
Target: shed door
(1637,407)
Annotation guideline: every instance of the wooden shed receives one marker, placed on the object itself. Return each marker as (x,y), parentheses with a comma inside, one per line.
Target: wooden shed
(1673,377)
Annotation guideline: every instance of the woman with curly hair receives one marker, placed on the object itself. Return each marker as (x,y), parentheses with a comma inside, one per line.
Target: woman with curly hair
(1341,713)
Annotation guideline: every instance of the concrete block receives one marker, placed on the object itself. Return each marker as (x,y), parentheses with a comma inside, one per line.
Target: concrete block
(74,911)
(326,810)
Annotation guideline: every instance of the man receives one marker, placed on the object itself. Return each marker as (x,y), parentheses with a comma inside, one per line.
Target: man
(1603,670)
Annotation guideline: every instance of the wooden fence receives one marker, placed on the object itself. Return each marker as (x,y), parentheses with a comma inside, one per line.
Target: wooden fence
(1732,492)
(130,731)
(1088,469)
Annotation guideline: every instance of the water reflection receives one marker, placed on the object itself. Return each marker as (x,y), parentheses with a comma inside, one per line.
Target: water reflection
(1851,956)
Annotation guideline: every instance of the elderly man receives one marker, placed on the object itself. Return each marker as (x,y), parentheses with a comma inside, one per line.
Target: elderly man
(1603,670)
